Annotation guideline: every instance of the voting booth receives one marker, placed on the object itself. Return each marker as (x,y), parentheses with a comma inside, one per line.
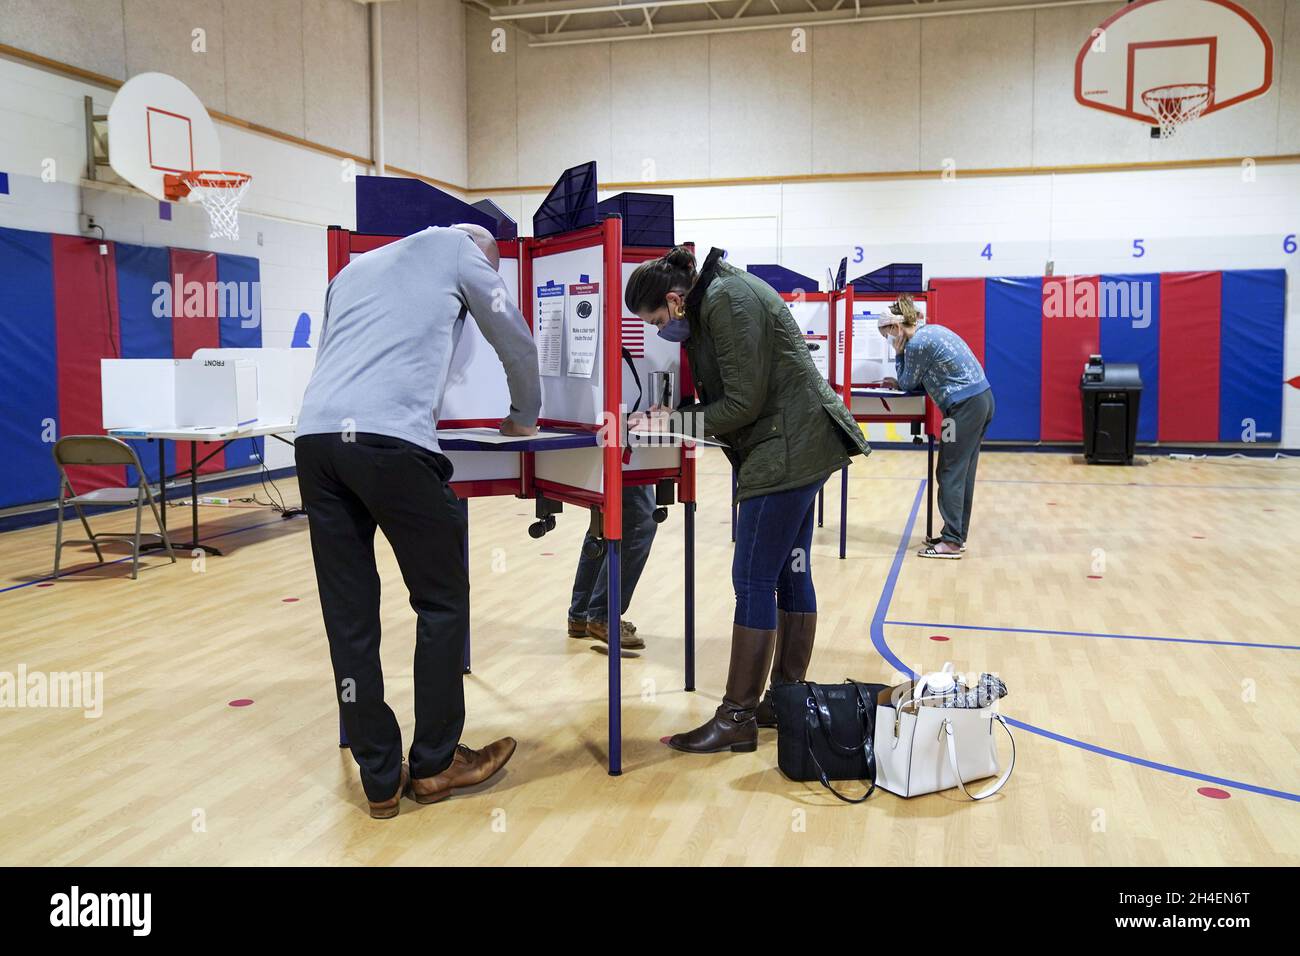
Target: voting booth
(596,364)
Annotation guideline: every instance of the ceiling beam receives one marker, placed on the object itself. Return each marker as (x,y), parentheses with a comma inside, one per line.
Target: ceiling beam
(896,11)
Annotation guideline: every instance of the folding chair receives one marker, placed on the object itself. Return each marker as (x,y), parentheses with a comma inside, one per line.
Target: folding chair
(104,450)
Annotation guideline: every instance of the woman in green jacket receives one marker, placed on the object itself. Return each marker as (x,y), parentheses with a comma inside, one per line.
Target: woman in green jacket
(785,432)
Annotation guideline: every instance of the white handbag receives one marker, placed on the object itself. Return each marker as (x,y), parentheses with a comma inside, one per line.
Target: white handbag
(922,748)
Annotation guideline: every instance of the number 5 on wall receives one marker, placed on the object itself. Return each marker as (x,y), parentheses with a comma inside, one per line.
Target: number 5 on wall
(1139,250)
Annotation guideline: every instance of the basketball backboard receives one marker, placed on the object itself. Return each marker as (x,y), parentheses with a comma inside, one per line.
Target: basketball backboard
(157,126)
(1150,45)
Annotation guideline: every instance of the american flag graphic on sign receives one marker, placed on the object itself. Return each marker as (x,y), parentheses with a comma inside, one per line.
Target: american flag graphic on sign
(634,336)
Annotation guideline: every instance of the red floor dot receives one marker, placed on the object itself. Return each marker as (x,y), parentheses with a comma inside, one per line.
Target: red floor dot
(1199,537)
(548,554)
(46,584)
(1094,577)
(241,702)
(1214,793)
(290,600)
(1051,504)
(939,637)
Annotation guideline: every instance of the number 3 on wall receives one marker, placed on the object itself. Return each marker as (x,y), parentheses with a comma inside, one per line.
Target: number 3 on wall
(988,252)
(857,253)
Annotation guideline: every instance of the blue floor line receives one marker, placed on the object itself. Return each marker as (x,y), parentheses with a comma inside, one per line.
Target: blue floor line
(878,641)
(1098,634)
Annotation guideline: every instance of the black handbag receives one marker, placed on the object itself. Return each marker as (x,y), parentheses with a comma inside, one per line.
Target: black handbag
(826,732)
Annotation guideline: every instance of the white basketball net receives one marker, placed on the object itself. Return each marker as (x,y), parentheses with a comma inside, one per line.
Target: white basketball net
(220,194)
(1175,105)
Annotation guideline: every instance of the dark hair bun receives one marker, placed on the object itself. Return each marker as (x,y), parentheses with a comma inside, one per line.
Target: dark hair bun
(680,257)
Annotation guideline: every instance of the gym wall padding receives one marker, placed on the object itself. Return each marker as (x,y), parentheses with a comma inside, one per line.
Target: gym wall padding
(1013,350)
(1189,356)
(1253,320)
(242,332)
(140,271)
(1067,343)
(195,325)
(1209,347)
(64,307)
(28,378)
(86,330)
(1138,343)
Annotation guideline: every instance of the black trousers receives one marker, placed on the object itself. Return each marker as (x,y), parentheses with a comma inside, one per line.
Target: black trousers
(349,488)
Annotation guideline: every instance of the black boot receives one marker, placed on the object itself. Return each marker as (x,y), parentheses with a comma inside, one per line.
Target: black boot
(733,727)
(795,633)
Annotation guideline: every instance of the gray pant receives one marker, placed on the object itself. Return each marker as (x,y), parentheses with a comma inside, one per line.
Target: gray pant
(590,601)
(958,459)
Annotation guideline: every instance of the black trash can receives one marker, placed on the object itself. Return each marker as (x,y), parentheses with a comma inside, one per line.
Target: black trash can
(1111,394)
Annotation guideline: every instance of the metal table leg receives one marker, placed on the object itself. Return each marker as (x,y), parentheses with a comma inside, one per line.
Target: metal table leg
(464,509)
(690,595)
(844,511)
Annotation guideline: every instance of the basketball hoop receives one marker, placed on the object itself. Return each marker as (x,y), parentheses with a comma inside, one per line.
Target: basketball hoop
(218,190)
(1177,104)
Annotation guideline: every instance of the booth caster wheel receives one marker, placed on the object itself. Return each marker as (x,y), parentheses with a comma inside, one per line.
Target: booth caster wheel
(660,515)
(542,525)
(593,548)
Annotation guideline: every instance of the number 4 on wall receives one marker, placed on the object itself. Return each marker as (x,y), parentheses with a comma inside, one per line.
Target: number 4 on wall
(988,252)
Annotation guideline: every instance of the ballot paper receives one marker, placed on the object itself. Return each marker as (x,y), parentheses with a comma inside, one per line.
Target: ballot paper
(492,436)
(583,315)
(638,437)
(550,327)
(873,356)
(819,349)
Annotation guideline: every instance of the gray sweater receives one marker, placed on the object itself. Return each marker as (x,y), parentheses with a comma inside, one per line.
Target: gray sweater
(392,320)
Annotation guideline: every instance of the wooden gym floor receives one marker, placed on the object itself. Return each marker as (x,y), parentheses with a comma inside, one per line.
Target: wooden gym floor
(1144,620)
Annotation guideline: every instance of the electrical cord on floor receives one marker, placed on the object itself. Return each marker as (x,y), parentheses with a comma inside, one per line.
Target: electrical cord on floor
(265,475)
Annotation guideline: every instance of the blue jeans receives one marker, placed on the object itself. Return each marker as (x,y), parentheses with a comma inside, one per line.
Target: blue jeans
(772,564)
(591,584)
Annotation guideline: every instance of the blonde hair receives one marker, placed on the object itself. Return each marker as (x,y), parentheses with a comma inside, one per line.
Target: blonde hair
(905,309)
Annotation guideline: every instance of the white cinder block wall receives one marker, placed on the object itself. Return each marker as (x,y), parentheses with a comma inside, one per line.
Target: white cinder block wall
(299,67)
(988,91)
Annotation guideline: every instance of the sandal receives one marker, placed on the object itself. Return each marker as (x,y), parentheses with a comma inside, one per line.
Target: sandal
(937,540)
(930,551)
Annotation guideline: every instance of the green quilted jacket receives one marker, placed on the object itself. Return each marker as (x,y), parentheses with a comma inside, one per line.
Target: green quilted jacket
(757,386)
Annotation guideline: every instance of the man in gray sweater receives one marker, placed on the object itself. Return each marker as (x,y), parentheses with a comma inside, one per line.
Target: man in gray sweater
(368,456)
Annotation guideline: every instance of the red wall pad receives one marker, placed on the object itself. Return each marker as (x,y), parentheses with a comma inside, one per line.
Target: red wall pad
(1071,332)
(195,325)
(1190,303)
(86,329)
(959,305)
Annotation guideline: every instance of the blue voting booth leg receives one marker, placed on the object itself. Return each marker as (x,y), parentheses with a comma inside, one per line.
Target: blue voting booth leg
(464,510)
(821,506)
(733,505)
(343,734)
(844,510)
(615,618)
(690,595)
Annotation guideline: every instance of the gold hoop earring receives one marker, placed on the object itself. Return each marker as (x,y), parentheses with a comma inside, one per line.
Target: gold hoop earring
(681,313)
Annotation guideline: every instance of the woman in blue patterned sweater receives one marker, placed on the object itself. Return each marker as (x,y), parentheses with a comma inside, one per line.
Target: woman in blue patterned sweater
(936,359)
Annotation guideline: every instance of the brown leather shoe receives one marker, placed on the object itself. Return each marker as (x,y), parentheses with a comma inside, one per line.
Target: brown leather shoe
(387,809)
(795,634)
(733,726)
(599,631)
(578,627)
(468,768)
